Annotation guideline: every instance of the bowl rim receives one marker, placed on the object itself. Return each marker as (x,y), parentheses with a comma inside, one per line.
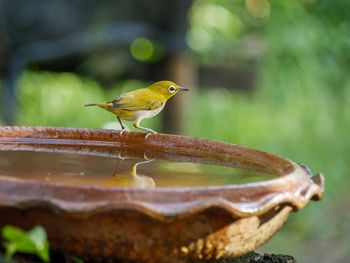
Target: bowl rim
(296,187)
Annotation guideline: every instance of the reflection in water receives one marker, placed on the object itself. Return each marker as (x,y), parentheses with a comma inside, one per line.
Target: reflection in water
(132,178)
(107,171)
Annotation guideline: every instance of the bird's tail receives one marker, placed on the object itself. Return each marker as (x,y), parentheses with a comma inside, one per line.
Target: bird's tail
(102,105)
(91,104)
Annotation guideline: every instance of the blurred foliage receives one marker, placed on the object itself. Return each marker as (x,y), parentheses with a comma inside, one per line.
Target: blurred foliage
(31,242)
(301,108)
(300,51)
(77,260)
(58,99)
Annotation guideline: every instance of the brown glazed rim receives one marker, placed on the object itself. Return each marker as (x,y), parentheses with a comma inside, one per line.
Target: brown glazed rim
(295,185)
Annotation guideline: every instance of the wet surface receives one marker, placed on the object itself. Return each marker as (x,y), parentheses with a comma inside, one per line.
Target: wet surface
(107,171)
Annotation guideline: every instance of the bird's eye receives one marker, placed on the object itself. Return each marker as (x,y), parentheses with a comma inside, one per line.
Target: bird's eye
(171,89)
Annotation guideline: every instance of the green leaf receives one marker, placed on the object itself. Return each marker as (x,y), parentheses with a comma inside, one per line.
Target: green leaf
(31,242)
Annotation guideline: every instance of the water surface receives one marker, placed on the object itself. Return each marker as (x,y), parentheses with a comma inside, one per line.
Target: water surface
(90,170)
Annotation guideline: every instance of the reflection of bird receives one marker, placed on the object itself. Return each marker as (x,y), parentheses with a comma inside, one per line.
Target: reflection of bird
(133,179)
(142,103)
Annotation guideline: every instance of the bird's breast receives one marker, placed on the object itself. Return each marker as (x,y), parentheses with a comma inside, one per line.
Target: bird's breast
(145,114)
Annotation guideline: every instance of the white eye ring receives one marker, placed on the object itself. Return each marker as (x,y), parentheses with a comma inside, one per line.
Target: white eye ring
(171,89)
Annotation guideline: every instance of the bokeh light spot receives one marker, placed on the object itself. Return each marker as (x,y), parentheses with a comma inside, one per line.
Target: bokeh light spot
(142,49)
(258,8)
(199,39)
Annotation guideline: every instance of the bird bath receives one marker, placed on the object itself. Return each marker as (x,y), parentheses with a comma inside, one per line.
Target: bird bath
(101,194)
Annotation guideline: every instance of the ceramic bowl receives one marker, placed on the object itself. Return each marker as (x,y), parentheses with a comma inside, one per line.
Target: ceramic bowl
(156,224)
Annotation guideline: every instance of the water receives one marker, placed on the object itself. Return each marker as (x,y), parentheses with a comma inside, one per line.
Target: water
(90,170)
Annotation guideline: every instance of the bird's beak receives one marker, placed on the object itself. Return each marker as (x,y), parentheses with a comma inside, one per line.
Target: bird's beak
(183,89)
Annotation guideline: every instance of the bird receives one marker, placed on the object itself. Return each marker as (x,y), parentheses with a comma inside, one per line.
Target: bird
(141,103)
(132,178)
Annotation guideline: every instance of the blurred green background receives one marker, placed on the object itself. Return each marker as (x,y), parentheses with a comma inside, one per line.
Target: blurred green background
(299,108)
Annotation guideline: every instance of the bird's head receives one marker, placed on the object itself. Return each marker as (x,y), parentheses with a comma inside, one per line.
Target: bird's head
(166,88)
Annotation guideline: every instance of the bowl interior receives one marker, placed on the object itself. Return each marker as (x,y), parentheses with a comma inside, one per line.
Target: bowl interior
(108,170)
(107,159)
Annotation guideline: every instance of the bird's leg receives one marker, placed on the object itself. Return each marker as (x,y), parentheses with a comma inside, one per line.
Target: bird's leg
(120,159)
(134,167)
(148,130)
(146,157)
(120,122)
(122,125)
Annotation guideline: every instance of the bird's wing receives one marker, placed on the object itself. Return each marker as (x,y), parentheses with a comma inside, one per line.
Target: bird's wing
(133,101)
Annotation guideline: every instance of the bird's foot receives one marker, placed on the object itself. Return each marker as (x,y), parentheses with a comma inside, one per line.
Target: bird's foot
(149,133)
(146,158)
(122,131)
(120,157)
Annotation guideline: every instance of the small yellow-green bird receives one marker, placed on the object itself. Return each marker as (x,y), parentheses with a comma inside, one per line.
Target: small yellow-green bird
(142,103)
